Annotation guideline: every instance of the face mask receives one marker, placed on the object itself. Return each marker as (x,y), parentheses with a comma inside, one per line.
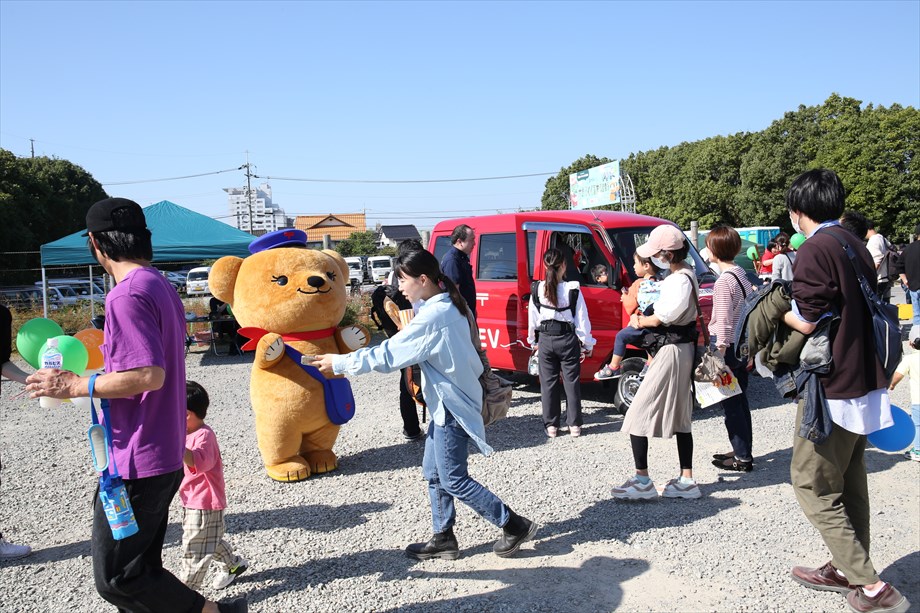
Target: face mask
(660,263)
(795,224)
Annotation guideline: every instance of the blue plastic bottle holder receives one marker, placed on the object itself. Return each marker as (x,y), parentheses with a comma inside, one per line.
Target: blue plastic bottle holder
(112,493)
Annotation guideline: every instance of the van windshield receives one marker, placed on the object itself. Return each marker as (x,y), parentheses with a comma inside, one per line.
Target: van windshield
(198,276)
(380,264)
(354,265)
(625,241)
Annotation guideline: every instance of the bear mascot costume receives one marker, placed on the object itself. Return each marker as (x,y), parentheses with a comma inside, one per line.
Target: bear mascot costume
(289,301)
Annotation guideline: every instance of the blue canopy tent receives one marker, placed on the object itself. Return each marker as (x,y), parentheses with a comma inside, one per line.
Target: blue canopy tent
(178,234)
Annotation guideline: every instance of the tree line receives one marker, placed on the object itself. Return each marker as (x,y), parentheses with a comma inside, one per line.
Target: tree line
(742,179)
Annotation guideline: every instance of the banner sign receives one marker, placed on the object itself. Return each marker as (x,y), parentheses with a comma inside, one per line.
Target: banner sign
(596,186)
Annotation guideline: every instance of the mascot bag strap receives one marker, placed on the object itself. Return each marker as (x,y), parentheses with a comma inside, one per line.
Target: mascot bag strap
(340,400)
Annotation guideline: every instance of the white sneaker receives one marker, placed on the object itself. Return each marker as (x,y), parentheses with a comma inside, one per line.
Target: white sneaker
(223,578)
(575,430)
(634,489)
(552,431)
(9,551)
(913,454)
(676,489)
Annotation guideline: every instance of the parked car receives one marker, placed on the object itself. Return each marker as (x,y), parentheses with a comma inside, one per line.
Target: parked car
(176,279)
(508,258)
(380,267)
(27,297)
(196,284)
(83,288)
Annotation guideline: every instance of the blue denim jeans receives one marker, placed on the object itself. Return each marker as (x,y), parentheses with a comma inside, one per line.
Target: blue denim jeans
(915,305)
(626,336)
(915,416)
(445,468)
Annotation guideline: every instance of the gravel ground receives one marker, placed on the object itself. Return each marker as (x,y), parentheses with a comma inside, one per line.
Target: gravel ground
(335,541)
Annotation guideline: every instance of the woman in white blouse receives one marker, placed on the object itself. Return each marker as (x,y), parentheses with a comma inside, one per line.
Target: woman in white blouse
(663,404)
(562,330)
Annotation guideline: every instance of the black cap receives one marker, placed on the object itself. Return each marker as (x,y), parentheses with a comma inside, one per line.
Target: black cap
(130,218)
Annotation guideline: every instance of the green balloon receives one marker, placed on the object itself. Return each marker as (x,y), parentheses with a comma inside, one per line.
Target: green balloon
(796,240)
(752,253)
(75,355)
(32,335)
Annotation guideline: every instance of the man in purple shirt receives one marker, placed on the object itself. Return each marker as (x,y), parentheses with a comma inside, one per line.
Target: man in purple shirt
(144,377)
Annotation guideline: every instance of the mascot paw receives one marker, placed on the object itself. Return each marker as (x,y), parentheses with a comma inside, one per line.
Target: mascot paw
(354,337)
(321,461)
(270,350)
(288,472)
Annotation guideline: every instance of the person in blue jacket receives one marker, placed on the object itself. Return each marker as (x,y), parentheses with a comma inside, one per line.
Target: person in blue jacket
(438,339)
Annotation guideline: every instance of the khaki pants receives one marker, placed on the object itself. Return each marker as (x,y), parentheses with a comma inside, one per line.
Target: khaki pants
(831,486)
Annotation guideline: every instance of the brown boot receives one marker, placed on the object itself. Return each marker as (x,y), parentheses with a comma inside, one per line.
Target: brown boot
(825,579)
(888,600)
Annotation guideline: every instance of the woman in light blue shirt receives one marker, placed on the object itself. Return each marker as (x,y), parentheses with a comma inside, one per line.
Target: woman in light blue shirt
(438,339)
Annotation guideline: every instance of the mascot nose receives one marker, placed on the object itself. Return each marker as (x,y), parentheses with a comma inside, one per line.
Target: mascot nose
(316,281)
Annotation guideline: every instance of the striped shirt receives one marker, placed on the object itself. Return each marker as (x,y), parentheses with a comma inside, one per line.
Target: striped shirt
(727,298)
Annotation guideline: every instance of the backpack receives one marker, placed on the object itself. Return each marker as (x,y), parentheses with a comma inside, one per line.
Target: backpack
(891,265)
(496,392)
(573,299)
(378,312)
(886,328)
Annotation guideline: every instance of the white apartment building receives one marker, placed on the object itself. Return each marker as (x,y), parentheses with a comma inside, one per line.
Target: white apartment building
(266,216)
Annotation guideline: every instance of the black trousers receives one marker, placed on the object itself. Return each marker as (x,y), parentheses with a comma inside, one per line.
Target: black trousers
(129,573)
(407,407)
(560,354)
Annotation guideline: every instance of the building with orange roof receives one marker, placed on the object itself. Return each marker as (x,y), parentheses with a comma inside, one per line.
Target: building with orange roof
(338,226)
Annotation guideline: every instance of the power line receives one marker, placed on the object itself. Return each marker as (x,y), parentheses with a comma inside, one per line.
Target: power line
(203,174)
(535,174)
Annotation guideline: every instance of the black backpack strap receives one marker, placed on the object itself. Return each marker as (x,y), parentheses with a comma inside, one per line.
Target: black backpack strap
(863,283)
(534,288)
(573,300)
(740,284)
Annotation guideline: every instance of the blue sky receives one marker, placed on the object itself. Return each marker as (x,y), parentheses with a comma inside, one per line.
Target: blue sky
(419,90)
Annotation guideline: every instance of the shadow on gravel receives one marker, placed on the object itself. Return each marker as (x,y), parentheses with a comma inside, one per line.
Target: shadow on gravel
(312,517)
(391,564)
(50,554)
(773,469)
(594,586)
(619,520)
(903,575)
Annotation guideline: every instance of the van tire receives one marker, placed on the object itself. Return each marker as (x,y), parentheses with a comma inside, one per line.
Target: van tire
(627,384)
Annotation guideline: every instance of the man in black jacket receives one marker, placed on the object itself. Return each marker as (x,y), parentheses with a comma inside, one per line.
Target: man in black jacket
(909,269)
(456,263)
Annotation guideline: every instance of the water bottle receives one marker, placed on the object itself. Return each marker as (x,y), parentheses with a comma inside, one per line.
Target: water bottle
(118,511)
(52,358)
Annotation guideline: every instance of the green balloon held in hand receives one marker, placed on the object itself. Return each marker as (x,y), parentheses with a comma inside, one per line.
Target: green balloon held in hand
(32,336)
(752,253)
(796,240)
(73,351)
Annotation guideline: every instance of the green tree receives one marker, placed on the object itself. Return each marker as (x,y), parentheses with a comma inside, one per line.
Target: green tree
(358,243)
(41,199)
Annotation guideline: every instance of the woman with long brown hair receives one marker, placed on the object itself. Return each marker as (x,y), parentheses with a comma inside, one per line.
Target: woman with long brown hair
(559,326)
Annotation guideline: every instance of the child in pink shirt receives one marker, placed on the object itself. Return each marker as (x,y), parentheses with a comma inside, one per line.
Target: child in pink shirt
(204,501)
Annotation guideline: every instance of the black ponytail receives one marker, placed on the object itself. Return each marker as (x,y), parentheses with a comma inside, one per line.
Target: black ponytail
(553,261)
(421,262)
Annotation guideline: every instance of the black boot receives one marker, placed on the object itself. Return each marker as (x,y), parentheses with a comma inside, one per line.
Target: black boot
(515,533)
(443,545)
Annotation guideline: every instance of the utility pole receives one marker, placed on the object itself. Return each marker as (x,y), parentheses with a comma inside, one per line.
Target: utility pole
(248,168)
(32,140)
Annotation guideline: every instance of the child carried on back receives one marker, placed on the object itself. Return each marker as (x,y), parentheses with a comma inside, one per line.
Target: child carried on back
(640,298)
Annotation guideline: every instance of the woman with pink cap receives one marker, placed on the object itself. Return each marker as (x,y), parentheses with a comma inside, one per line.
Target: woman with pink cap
(664,402)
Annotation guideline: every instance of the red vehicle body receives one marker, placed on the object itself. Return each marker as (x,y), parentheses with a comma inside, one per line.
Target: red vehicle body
(507,258)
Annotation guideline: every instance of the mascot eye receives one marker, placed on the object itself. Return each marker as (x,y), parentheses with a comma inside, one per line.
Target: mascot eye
(331,276)
(282,280)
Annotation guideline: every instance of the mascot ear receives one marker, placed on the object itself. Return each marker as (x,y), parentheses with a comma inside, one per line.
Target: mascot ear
(340,262)
(222,278)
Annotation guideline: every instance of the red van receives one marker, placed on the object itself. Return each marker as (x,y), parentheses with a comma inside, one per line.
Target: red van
(508,257)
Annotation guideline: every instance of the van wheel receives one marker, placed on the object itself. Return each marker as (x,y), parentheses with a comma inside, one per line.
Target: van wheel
(627,384)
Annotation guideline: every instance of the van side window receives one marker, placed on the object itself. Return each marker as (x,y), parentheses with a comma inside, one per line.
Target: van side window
(441,246)
(497,257)
(531,253)
(581,255)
